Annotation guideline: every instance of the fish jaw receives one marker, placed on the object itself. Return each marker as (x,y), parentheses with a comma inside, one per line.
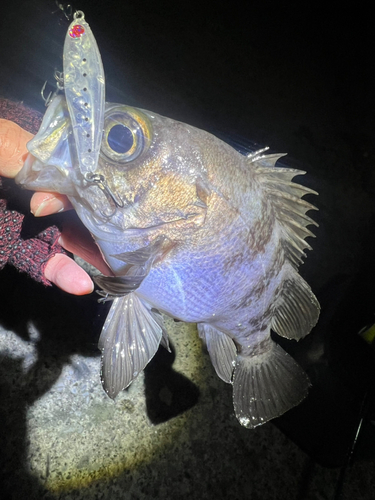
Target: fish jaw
(52,165)
(49,165)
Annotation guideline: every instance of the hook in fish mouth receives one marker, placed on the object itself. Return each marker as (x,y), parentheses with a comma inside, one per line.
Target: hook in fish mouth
(100,181)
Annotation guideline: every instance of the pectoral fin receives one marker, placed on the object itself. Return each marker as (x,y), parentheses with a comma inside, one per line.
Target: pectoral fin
(159,318)
(221,349)
(139,264)
(203,193)
(130,337)
(145,256)
(117,286)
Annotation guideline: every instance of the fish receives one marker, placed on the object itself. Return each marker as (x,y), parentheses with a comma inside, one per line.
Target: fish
(190,227)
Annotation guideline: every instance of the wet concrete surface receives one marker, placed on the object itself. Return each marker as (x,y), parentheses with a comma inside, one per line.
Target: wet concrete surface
(299,81)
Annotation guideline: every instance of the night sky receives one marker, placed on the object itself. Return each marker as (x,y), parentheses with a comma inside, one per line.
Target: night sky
(238,67)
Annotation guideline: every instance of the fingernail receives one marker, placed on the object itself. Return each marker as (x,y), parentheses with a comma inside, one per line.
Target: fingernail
(48,207)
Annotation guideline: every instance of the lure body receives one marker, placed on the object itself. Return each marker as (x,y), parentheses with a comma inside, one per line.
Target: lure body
(84,91)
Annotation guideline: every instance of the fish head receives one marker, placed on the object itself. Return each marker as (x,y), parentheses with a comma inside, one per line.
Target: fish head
(122,168)
(145,176)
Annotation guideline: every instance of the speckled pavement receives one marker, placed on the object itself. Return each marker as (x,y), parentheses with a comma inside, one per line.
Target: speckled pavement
(80,444)
(63,438)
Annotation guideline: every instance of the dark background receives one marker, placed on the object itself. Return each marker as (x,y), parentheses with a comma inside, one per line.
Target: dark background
(296,77)
(244,67)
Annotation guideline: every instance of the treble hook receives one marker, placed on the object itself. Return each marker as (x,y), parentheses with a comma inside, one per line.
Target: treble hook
(100,181)
(66,10)
(47,100)
(59,77)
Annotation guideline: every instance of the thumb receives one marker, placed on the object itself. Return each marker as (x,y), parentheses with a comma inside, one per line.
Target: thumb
(13,150)
(68,276)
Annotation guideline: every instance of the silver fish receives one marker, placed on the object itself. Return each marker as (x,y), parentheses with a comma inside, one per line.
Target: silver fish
(190,228)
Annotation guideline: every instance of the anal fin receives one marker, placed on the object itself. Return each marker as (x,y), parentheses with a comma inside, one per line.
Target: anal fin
(221,349)
(266,385)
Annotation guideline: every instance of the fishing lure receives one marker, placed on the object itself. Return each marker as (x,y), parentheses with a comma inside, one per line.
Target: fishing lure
(84,92)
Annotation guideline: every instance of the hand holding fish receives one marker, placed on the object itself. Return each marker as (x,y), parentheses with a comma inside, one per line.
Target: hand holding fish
(60,269)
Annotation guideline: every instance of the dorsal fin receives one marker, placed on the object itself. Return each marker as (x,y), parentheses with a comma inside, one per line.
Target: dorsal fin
(289,207)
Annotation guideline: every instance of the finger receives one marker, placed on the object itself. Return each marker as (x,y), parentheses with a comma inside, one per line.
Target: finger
(13,150)
(77,239)
(67,275)
(48,203)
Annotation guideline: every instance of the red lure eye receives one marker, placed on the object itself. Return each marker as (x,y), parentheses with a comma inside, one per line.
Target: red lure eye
(77,31)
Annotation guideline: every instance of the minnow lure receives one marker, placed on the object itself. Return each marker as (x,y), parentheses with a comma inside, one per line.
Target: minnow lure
(84,87)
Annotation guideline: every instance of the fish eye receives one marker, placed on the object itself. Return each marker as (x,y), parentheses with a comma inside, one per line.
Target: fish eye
(126,134)
(120,139)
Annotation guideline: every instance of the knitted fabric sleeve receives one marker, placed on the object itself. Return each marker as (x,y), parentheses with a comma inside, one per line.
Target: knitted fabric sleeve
(31,255)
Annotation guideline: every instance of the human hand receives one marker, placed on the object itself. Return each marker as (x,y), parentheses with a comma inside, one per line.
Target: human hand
(60,269)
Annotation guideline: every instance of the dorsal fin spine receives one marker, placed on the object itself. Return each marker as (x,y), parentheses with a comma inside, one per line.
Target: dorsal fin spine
(289,208)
